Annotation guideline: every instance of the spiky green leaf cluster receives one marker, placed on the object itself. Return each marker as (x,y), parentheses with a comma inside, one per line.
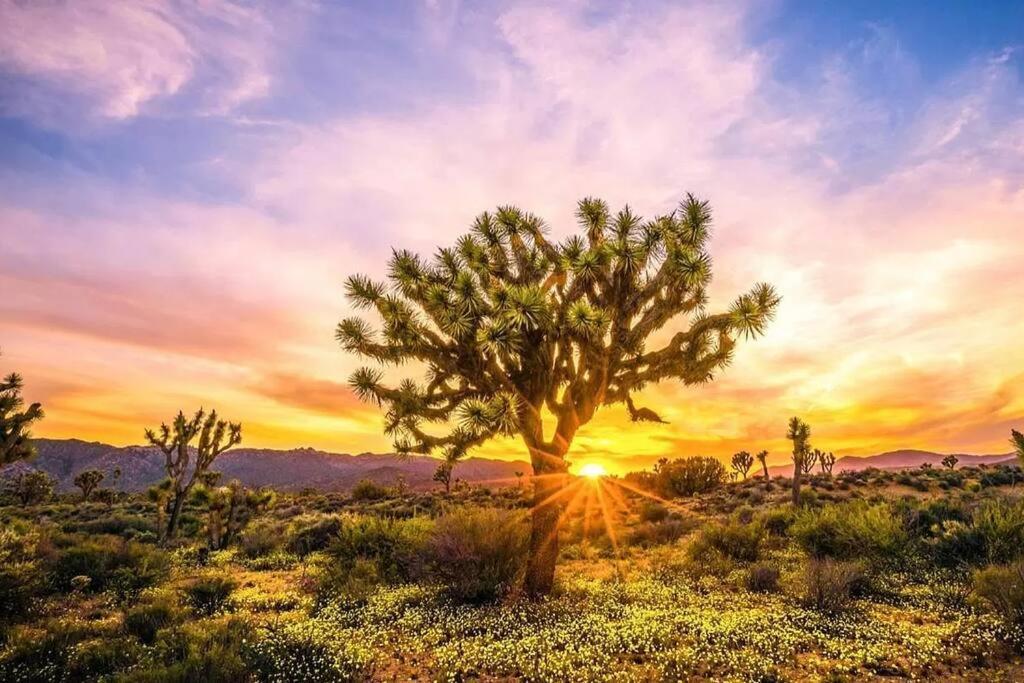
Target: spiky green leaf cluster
(510,323)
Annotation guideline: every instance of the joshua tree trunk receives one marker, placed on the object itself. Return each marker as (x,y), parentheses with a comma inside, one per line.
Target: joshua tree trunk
(767,477)
(796,483)
(540,570)
(550,473)
(175,516)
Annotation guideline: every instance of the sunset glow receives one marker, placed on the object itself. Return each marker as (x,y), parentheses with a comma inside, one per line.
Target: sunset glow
(593,470)
(184,191)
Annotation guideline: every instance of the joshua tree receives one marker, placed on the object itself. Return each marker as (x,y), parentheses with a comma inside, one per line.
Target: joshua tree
(87,481)
(742,462)
(519,478)
(799,433)
(811,459)
(826,461)
(1017,441)
(15,439)
(950,461)
(443,474)
(763,459)
(31,487)
(215,437)
(230,509)
(511,325)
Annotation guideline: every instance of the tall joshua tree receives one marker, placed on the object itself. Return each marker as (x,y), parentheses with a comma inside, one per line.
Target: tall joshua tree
(214,437)
(742,462)
(826,461)
(762,457)
(513,328)
(799,433)
(87,481)
(15,439)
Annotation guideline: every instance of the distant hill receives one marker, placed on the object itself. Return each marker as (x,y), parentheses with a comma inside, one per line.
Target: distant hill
(895,460)
(142,466)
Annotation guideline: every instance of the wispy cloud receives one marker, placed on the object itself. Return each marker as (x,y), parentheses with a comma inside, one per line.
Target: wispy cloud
(885,205)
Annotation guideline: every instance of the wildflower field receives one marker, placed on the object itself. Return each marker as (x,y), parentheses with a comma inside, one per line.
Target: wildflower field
(868,578)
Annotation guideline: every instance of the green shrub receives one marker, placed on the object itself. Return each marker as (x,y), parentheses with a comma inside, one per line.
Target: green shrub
(688,476)
(651,511)
(478,554)
(848,531)
(828,585)
(1002,589)
(309,536)
(1001,525)
(660,533)
(396,546)
(778,520)
(367,490)
(20,581)
(111,563)
(735,540)
(210,652)
(144,621)
(92,659)
(763,578)
(260,539)
(208,594)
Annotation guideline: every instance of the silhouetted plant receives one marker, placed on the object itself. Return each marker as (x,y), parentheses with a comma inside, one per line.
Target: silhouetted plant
(762,457)
(15,437)
(799,433)
(950,461)
(687,476)
(509,324)
(443,474)
(87,482)
(826,461)
(742,462)
(1017,441)
(175,442)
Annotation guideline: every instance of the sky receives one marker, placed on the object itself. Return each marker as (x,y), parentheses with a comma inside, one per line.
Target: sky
(185,185)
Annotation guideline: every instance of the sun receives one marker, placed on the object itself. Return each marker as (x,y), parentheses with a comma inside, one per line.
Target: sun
(593,470)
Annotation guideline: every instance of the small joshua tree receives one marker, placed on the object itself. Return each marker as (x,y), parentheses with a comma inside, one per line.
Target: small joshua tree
(799,433)
(811,459)
(1017,441)
(230,509)
(31,487)
(742,462)
(826,461)
(950,461)
(15,439)
(762,457)
(513,328)
(175,442)
(87,481)
(519,478)
(443,474)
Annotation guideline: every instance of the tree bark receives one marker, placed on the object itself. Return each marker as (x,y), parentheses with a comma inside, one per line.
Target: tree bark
(796,482)
(540,570)
(172,522)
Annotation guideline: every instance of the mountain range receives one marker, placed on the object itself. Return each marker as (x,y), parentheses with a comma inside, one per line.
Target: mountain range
(895,460)
(143,466)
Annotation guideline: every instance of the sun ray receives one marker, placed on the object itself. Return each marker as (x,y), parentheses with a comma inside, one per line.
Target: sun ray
(609,527)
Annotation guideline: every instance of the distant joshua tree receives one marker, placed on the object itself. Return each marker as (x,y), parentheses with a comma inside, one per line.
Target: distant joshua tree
(950,461)
(87,481)
(15,438)
(175,441)
(742,462)
(762,457)
(1017,441)
(443,474)
(230,509)
(809,461)
(519,478)
(827,461)
(799,433)
(510,325)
